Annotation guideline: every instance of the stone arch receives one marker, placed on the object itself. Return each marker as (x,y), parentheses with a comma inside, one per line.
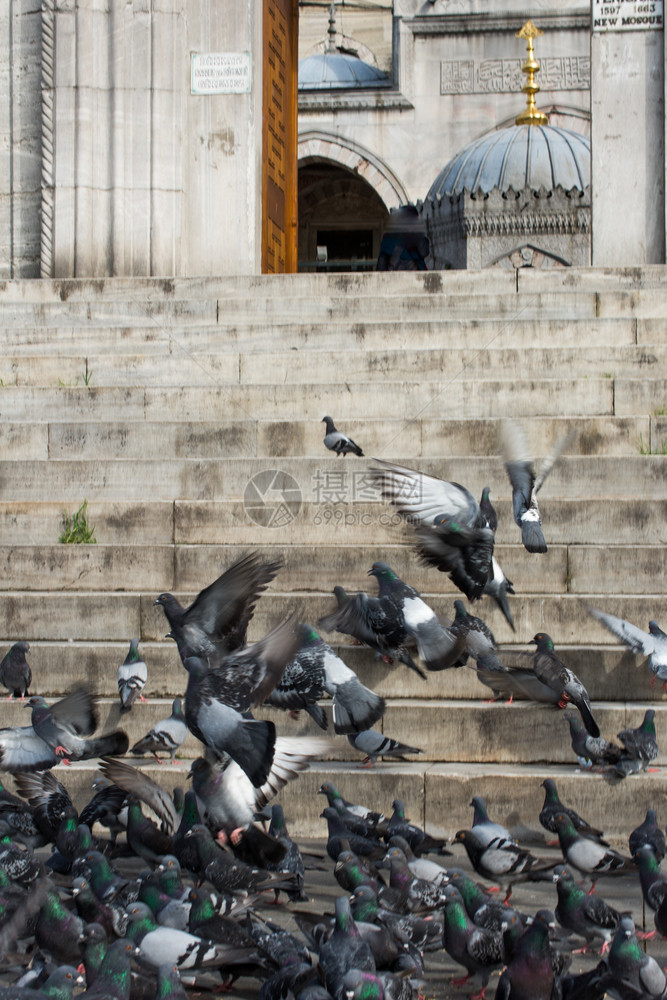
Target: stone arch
(316,145)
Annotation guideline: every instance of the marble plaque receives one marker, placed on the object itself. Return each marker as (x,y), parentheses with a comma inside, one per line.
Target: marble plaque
(627,15)
(220,73)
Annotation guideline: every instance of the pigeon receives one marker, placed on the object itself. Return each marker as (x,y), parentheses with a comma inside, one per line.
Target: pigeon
(336,441)
(640,747)
(584,913)
(374,745)
(373,622)
(303,681)
(168,984)
(529,974)
(552,671)
(526,484)
(215,700)
(166,735)
(553,807)
(355,707)
(292,862)
(135,782)
(227,874)
(590,750)
(340,838)
(498,587)
(416,894)
(635,973)
(420,841)
(345,949)
(159,945)
(486,831)
(423,931)
(49,801)
(132,677)
(651,878)
(334,798)
(452,531)
(144,836)
(228,801)
(649,833)
(437,646)
(114,976)
(57,732)
(477,949)
(652,644)
(481,907)
(57,930)
(217,620)
(15,673)
(588,856)
(477,638)
(501,860)
(106,807)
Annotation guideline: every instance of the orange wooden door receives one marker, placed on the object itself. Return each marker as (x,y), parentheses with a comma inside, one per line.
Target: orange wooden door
(279,137)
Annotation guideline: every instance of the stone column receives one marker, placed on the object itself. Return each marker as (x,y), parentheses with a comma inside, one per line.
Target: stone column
(628,147)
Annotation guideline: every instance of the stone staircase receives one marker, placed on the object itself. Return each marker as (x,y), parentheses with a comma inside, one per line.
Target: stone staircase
(159,401)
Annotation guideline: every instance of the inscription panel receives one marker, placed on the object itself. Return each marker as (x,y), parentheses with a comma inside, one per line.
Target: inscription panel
(503,76)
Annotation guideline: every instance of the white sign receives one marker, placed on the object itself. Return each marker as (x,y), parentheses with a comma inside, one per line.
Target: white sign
(627,15)
(220,73)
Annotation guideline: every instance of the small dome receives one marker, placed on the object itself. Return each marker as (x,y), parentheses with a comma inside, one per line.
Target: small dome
(332,70)
(522,156)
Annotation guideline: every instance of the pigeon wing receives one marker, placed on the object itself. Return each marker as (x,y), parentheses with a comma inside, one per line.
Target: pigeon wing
(135,782)
(21,749)
(76,711)
(423,497)
(633,637)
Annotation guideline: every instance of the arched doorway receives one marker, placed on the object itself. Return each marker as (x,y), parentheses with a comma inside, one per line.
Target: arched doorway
(341,219)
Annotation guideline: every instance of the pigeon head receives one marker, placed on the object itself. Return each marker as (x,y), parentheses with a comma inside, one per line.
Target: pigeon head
(648,725)
(381,571)
(329,422)
(543,641)
(460,609)
(308,635)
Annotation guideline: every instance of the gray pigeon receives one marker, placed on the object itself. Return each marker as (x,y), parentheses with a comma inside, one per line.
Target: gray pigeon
(453,533)
(564,682)
(15,672)
(336,441)
(640,747)
(652,644)
(132,677)
(637,974)
(166,735)
(375,745)
(526,483)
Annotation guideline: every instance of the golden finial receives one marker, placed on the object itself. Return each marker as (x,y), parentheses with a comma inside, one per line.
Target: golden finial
(531,115)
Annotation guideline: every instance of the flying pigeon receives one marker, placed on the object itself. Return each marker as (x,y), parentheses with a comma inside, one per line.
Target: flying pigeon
(355,707)
(166,735)
(437,646)
(215,700)
(652,644)
(452,531)
(640,747)
(549,669)
(336,441)
(132,677)
(526,483)
(374,745)
(498,586)
(15,672)
(372,621)
(217,620)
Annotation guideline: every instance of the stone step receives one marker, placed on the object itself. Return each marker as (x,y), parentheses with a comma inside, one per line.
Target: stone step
(370,334)
(96,616)
(458,399)
(610,672)
(313,568)
(290,367)
(390,284)
(436,796)
(335,304)
(266,439)
(330,522)
(310,479)
(452,730)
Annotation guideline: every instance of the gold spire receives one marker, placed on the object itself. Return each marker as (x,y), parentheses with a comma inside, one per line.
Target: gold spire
(531,115)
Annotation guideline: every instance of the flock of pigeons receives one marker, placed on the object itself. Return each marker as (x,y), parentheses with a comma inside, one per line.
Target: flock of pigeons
(195,911)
